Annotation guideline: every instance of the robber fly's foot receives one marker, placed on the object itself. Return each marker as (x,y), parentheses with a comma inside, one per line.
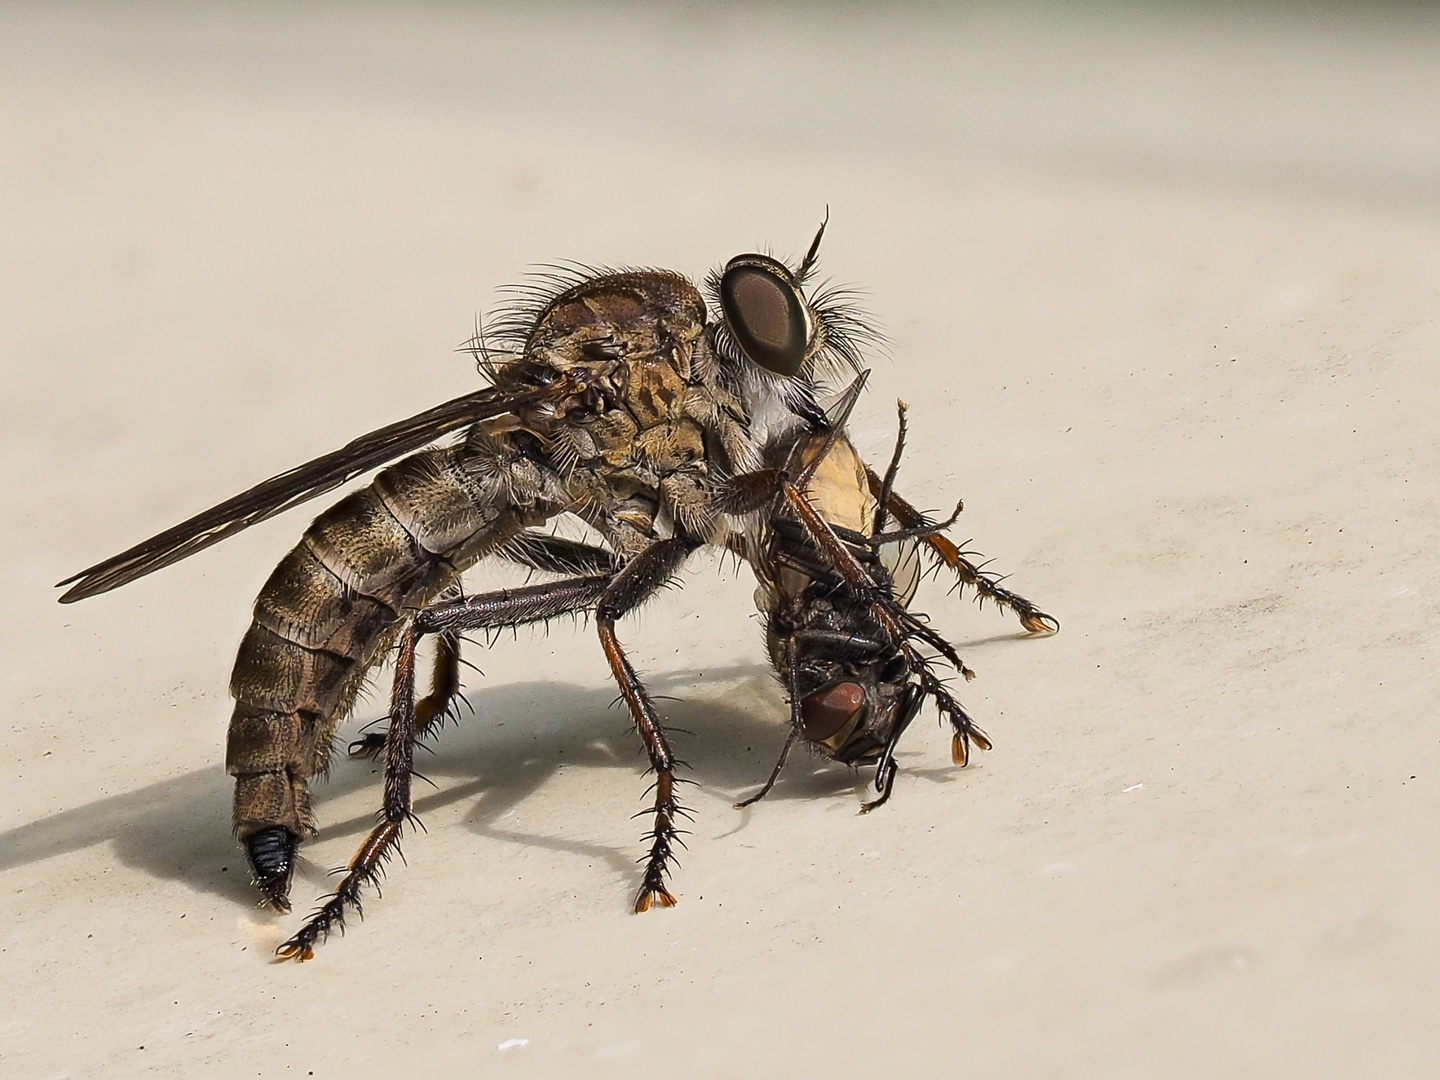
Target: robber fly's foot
(960,745)
(301,947)
(364,869)
(1037,622)
(664,836)
(1031,617)
(653,890)
(653,894)
(271,852)
(430,713)
(329,916)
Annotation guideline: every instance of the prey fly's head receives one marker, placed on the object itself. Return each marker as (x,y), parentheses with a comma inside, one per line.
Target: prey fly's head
(854,706)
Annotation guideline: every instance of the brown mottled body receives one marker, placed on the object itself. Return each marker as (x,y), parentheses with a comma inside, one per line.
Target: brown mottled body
(631,452)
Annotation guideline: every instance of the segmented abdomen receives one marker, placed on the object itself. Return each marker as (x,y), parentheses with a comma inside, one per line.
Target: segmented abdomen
(333,606)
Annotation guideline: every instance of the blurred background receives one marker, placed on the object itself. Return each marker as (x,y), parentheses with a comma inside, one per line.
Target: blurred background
(1160,281)
(280,216)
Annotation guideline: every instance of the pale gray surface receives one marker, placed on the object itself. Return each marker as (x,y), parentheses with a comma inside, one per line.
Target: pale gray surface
(1161,288)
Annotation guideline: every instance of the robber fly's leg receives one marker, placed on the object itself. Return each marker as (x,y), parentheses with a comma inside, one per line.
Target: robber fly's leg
(887,486)
(919,532)
(506,607)
(898,623)
(986,585)
(399,757)
(965,729)
(557,555)
(431,710)
(646,573)
(538,551)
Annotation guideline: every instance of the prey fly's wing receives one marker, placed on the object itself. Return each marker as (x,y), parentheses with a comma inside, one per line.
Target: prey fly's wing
(902,560)
(301,483)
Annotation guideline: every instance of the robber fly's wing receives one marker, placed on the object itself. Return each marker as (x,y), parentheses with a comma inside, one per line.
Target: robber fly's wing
(303,482)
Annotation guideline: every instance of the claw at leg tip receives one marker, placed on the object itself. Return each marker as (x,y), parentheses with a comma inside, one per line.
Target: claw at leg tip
(293,950)
(647,897)
(959,751)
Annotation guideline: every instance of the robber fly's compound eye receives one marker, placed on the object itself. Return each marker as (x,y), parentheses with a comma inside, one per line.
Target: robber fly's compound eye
(766,313)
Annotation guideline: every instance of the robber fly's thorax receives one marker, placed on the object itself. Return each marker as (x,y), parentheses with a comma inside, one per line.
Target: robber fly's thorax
(633,451)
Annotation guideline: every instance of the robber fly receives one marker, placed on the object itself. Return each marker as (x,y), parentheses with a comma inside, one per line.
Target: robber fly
(615,397)
(853,684)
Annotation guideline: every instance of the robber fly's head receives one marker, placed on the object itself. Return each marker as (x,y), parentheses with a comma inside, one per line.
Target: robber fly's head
(852,704)
(772,323)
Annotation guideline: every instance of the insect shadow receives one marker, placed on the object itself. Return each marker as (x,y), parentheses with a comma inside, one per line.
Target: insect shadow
(515,741)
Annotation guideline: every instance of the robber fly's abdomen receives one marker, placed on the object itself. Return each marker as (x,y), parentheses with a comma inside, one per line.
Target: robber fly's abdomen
(331,608)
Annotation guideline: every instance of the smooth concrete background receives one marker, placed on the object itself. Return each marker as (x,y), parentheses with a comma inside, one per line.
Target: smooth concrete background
(1161,285)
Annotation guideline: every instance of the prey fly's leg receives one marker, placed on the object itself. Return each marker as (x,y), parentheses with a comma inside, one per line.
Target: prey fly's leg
(797,725)
(790,741)
(640,579)
(504,608)
(885,768)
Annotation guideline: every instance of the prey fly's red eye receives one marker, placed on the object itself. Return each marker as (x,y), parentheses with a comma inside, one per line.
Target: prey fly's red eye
(825,712)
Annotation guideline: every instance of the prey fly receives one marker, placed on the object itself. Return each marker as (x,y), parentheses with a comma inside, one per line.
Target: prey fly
(856,676)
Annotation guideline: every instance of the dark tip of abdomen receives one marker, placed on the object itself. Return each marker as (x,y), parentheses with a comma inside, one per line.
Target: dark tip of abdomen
(271,852)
